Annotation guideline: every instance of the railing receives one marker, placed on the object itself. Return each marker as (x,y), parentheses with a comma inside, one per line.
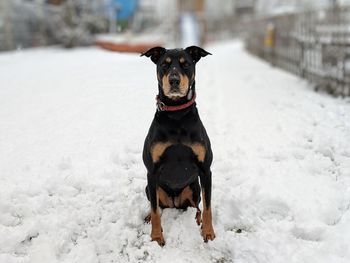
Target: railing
(314,45)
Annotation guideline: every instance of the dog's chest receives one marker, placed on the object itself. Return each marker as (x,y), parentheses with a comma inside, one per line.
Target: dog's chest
(182,140)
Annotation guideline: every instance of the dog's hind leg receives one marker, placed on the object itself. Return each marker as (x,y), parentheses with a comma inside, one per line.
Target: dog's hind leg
(191,196)
(198,216)
(196,197)
(147,218)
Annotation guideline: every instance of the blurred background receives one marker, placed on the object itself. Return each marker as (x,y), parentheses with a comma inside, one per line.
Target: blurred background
(310,38)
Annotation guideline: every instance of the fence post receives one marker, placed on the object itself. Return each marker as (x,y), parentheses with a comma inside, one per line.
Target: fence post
(269,42)
(302,59)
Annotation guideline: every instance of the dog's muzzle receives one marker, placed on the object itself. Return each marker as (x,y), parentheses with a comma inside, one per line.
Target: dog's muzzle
(174,81)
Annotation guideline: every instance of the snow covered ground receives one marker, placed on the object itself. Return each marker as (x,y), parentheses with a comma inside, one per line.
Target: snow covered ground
(72,125)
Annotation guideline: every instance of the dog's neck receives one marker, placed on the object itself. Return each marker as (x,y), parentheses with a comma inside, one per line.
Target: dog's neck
(178,115)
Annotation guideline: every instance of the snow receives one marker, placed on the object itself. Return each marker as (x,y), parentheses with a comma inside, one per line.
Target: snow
(72,125)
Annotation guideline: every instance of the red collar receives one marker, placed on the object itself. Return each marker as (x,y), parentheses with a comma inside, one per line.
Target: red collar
(162,107)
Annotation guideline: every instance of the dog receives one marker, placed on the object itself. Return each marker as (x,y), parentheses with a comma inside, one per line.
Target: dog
(177,151)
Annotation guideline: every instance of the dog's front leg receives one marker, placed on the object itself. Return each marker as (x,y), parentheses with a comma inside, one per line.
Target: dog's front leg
(156,233)
(207,224)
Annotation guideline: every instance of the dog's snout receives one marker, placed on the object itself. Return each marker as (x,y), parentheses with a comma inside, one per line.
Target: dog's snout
(174,79)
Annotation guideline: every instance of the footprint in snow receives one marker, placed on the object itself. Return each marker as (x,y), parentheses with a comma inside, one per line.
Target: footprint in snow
(309,233)
(326,152)
(273,210)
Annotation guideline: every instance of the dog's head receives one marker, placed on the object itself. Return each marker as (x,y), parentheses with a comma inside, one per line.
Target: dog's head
(175,69)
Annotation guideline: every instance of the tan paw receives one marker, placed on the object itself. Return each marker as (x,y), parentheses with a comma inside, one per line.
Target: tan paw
(159,238)
(208,233)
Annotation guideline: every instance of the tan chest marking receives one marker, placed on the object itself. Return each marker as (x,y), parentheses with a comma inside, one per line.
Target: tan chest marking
(199,150)
(158,149)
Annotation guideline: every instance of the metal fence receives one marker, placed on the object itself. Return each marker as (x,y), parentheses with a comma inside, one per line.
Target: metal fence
(314,45)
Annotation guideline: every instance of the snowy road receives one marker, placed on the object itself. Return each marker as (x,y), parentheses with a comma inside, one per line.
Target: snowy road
(72,125)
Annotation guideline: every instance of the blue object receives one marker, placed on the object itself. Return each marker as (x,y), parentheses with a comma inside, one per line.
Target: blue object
(125,9)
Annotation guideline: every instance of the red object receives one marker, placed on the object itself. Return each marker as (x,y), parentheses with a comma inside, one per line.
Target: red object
(126,47)
(162,107)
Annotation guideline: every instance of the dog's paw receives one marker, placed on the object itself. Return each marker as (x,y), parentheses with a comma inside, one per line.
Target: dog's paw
(159,238)
(147,218)
(208,233)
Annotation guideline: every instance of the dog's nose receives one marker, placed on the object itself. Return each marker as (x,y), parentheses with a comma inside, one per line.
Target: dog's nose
(174,80)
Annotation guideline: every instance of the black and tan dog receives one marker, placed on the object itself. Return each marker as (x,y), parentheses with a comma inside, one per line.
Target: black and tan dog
(177,149)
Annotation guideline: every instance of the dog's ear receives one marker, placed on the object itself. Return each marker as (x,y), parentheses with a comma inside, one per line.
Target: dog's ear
(196,53)
(155,53)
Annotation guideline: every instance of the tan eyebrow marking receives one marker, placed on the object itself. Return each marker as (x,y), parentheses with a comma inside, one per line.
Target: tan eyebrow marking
(168,60)
(182,60)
